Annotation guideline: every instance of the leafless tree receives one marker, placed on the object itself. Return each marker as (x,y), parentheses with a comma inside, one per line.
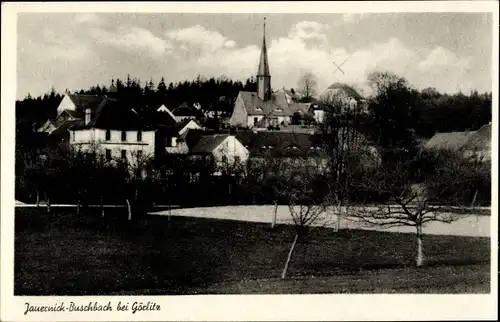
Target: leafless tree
(307,85)
(418,190)
(302,186)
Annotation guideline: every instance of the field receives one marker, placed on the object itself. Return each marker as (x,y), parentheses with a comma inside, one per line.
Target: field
(476,223)
(62,254)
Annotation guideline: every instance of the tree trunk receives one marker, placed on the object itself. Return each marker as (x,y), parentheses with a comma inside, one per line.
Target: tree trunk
(129,210)
(285,269)
(474,199)
(273,224)
(339,216)
(48,205)
(102,206)
(78,207)
(420,247)
(37,198)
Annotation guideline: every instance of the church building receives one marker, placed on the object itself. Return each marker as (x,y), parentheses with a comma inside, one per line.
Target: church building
(263,108)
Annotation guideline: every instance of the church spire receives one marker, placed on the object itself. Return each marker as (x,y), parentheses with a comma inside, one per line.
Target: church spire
(263,75)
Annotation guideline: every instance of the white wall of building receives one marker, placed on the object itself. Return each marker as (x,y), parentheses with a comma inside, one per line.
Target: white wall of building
(319,115)
(232,149)
(86,139)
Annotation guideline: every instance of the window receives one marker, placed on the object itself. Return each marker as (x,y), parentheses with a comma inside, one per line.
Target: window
(124,136)
(255,120)
(108,135)
(139,136)
(124,154)
(108,154)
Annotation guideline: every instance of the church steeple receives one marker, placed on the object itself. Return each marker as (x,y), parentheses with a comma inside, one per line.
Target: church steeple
(263,75)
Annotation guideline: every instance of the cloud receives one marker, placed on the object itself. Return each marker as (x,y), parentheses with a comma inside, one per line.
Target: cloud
(354,17)
(136,39)
(87,18)
(202,38)
(293,55)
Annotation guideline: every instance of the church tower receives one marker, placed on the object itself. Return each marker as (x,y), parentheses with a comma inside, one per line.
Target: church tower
(263,75)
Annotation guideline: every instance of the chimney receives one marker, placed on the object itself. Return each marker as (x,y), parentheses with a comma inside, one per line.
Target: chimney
(87,116)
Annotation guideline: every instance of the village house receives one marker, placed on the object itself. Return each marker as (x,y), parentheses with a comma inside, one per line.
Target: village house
(349,98)
(468,143)
(70,110)
(115,131)
(187,112)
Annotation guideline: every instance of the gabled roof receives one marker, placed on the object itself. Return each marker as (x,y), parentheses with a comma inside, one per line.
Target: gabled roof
(479,140)
(448,141)
(185,110)
(279,143)
(208,143)
(349,90)
(276,106)
(63,128)
(114,115)
(299,107)
(84,101)
(154,118)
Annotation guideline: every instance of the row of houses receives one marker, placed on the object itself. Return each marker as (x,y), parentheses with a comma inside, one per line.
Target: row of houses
(120,130)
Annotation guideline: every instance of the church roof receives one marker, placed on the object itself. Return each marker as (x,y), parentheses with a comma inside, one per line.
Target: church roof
(276,106)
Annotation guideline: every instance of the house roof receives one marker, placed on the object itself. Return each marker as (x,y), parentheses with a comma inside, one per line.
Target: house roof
(185,110)
(64,126)
(349,90)
(479,140)
(448,141)
(299,107)
(84,101)
(208,143)
(114,115)
(278,143)
(155,118)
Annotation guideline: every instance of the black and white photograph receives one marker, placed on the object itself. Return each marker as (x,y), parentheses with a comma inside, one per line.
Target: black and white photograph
(169,153)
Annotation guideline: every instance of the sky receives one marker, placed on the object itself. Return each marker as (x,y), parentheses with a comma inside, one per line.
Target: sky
(449,51)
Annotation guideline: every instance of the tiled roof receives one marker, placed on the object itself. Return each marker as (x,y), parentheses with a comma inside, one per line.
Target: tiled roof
(448,141)
(185,110)
(276,106)
(278,143)
(208,143)
(114,115)
(349,90)
(154,118)
(83,102)
(479,140)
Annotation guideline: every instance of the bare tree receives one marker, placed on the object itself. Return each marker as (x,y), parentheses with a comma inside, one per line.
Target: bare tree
(307,85)
(417,190)
(302,186)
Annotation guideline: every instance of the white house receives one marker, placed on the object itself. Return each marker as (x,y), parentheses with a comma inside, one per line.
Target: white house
(115,132)
(222,147)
